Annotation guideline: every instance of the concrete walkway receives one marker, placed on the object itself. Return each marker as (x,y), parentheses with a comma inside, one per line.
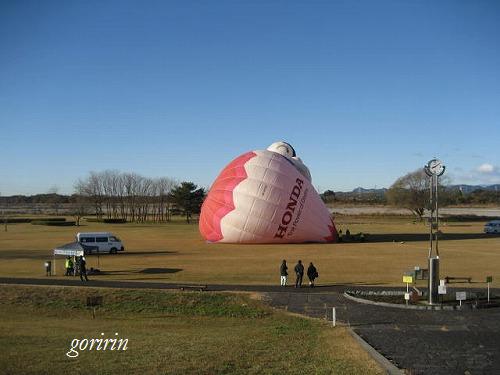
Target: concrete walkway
(423,342)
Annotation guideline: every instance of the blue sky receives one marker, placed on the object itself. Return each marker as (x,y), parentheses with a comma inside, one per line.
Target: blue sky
(365,90)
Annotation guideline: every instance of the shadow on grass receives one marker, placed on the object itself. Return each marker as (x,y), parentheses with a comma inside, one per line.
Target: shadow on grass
(148,271)
(47,255)
(160,270)
(24,254)
(152,252)
(398,237)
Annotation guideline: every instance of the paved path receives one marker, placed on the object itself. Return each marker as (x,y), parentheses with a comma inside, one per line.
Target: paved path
(425,342)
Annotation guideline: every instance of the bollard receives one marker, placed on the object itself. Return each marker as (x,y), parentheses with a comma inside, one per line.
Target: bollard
(433,280)
(48,268)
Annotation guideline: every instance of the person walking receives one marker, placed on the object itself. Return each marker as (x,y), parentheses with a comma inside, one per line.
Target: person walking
(299,271)
(83,269)
(312,274)
(283,272)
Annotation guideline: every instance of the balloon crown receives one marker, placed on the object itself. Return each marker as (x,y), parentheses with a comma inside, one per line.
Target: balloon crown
(283,148)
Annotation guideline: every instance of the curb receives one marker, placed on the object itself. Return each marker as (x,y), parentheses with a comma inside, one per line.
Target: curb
(399,306)
(389,367)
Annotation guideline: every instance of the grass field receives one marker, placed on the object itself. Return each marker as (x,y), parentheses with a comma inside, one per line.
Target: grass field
(175,252)
(167,332)
(206,332)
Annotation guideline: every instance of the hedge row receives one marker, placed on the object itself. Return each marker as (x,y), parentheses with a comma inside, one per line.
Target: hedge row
(15,220)
(51,219)
(107,221)
(18,220)
(465,218)
(54,223)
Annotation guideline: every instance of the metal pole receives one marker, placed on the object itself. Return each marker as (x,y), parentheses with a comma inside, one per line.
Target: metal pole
(430,218)
(437,215)
(433,261)
(334,317)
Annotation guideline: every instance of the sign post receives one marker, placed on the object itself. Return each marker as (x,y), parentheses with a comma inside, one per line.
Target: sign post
(442,289)
(489,279)
(461,296)
(408,279)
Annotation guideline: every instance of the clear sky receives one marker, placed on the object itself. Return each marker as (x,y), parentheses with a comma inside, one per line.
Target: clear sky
(364,90)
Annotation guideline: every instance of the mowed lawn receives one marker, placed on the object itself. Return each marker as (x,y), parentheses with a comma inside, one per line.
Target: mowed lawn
(175,252)
(167,333)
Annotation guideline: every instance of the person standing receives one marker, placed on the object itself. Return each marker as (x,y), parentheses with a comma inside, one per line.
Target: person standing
(48,268)
(71,267)
(283,272)
(83,268)
(67,266)
(299,271)
(312,274)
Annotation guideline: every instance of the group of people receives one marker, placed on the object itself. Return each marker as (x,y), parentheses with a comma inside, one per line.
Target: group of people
(312,273)
(81,267)
(347,237)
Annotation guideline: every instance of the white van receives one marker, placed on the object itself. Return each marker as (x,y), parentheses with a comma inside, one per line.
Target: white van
(104,242)
(492,227)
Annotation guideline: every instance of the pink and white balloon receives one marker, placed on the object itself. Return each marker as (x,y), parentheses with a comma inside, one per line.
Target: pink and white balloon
(266,196)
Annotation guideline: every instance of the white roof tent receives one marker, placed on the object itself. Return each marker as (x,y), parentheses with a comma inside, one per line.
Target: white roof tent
(73,249)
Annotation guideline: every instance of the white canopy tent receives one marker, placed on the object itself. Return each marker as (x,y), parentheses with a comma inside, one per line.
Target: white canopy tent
(73,249)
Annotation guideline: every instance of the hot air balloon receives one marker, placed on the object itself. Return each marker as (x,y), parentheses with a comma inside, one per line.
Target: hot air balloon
(266,196)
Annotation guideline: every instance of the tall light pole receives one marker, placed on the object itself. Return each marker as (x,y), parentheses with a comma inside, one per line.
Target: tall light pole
(434,169)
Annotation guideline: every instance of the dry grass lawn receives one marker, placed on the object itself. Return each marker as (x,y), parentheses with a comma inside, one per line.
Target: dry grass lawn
(168,333)
(175,252)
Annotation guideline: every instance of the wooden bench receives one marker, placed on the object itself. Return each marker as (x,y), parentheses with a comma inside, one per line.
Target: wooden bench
(459,279)
(200,288)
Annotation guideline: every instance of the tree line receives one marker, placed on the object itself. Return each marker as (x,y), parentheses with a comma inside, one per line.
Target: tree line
(112,194)
(411,191)
(131,197)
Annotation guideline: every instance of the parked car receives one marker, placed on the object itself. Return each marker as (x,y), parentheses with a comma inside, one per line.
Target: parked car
(492,227)
(100,242)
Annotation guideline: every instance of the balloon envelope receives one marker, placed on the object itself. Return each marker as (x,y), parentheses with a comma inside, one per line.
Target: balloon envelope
(262,197)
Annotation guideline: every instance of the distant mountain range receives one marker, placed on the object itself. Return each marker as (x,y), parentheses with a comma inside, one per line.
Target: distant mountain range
(360,190)
(466,189)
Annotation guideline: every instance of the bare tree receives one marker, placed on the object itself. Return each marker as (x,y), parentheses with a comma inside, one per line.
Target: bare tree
(132,183)
(54,199)
(145,191)
(163,187)
(5,220)
(412,192)
(80,203)
(127,195)
(92,188)
(110,180)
